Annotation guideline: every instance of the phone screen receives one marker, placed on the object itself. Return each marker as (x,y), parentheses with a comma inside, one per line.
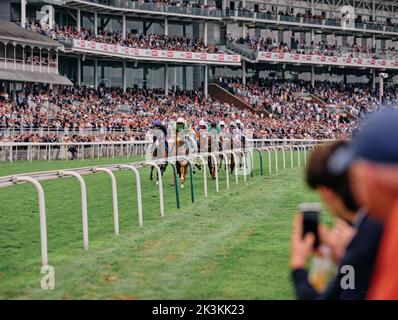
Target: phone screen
(311,220)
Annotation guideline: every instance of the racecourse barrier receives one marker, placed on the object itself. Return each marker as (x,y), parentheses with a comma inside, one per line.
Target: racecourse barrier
(78,173)
(31,151)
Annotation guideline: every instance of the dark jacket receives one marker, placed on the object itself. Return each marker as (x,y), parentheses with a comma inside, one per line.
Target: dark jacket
(360,254)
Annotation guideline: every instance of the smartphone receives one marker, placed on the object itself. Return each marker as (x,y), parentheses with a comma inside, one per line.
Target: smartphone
(311,213)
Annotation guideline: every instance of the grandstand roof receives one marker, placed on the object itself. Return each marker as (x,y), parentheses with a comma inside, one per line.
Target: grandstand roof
(29,76)
(11,32)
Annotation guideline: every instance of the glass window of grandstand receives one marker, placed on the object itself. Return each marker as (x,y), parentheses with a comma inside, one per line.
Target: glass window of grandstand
(110,74)
(88,73)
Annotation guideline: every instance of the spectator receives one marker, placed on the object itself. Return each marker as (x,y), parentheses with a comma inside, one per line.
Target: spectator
(372,159)
(355,248)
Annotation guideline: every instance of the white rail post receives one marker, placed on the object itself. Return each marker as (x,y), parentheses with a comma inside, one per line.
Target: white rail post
(244,163)
(138,184)
(204,173)
(236,164)
(276,159)
(269,160)
(283,156)
(160,183)
(84,203)
(291,156)
(114,196)
(226,169)
(248,152)
(305,154)
(42,215)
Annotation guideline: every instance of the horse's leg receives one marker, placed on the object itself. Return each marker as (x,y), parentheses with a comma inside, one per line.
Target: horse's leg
(232,166)
(151,174)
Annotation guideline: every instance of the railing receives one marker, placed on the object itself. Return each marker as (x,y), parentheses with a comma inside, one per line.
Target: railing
(62,132)
(21,65)
(242,49)
(17,151)
(275,18)
(32,151)
(157,8)
(244,157)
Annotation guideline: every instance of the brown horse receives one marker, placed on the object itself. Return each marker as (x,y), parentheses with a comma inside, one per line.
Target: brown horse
(184,146)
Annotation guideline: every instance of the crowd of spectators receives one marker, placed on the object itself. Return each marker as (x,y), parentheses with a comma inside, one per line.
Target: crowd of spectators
(113,115)
(132,40)
(326,109)
(333,18)
(256,43)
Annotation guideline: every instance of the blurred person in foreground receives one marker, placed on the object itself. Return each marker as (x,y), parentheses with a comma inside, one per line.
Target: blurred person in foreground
(372,159)
(354,239)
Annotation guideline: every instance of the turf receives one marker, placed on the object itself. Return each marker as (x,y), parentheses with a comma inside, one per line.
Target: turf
(231,245)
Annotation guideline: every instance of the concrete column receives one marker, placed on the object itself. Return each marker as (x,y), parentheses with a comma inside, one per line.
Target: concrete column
(40,59)
(79,20)
(166,27)
(206,81)
(243,29)
(205,27)
(205,33)
(124,27)
(96,23)
(373,40)
(124,76)
(79,71)
(23,13)
(312,76)
(373,79)
(166,79)
(312,35)
(244,72)
(96,74)
(24,57)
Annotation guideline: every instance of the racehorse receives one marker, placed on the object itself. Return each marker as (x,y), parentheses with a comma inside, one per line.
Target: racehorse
(184,146)
(157,150)
(235,141)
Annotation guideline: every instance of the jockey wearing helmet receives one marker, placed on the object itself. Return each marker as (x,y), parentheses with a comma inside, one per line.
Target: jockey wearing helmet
(180,124)
(241,131)
(158,125)
(202,125)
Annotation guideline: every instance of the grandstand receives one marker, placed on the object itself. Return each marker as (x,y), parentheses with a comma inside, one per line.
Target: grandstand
(183,49)
(86,80)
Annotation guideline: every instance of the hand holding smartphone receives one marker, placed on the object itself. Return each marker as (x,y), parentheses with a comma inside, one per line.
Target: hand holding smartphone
(311,213)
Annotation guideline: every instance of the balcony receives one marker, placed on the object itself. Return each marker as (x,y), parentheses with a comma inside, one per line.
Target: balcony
(129,6)
(155,55)
(345,60)
(21,65)
(271,18)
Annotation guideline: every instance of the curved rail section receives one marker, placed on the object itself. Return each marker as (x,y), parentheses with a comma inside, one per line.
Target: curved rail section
(237,155)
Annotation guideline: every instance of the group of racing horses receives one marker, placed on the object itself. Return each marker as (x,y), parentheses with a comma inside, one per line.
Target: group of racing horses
(177,142)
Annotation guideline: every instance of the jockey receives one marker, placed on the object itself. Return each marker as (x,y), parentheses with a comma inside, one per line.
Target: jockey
(241,131)
(157,124)
(239,125)
(202,125)
(222,125)
(181,124)
(214,127)
(232,127)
